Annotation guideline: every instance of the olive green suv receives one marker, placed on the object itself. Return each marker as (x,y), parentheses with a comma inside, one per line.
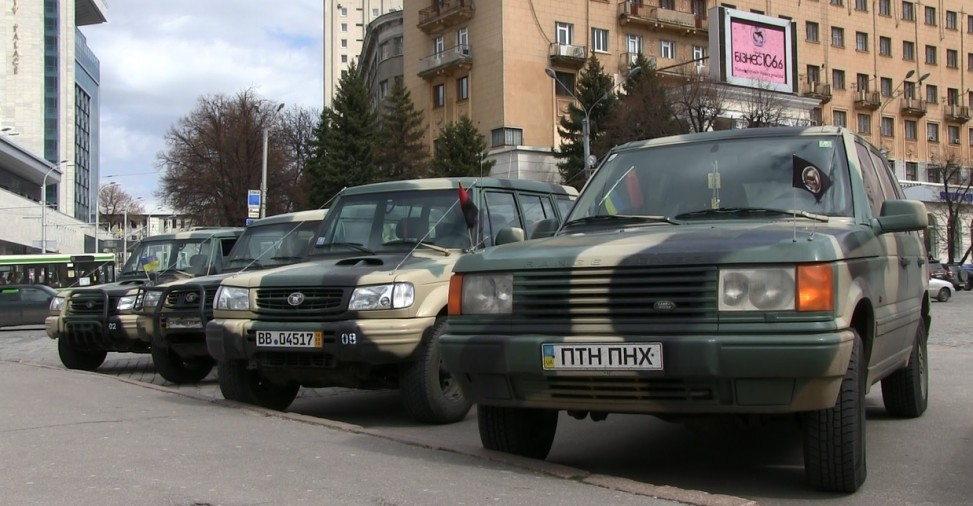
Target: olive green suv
(758,273)
(172,316)
(368,307)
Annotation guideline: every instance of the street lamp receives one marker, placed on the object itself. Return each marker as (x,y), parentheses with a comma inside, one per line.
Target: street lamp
(895,93)
(263,168)
(44,210)
(589,161)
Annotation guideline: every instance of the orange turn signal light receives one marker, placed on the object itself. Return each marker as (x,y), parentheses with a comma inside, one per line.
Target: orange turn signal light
(815,287)
(455,305)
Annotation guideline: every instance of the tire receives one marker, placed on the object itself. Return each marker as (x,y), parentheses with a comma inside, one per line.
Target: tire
(905,392)
(520,431)
(79,359)
(943,295)
(834,438)
(177,369)
(237,383)
(429,392)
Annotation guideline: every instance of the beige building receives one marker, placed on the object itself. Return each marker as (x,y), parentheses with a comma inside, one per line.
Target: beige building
(344,33)
(899,72)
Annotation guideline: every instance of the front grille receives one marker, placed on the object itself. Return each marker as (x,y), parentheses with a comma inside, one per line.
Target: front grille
(188,298)
(90,303)
(619,294)
(626,389)
(315,299)
(278,359)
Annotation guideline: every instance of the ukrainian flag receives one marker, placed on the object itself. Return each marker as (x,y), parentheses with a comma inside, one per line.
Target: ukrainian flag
(149,263)
(625,196)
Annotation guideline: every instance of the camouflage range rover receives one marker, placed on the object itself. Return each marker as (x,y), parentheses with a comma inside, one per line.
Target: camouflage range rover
(367,308)
(758,273)
(89,322)
(172,316)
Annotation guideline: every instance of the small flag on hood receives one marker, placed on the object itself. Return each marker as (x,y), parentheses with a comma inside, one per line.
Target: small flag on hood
(810,178)
(467,206)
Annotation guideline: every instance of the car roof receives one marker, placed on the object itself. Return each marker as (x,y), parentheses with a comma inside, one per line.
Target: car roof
(197,233)
(741,133)
(18,286)
(447,183)
(294,217)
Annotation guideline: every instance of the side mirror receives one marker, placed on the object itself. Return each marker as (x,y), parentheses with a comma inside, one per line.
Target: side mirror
(545,228)
(902,216)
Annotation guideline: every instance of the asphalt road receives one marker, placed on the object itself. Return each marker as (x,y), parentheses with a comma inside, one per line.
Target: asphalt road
(922,461)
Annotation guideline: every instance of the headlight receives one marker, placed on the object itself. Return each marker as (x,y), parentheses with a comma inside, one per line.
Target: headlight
(151,298)
(57,303)
(126,303)
(486,293)
(393,296)
(765,289)
(232,298)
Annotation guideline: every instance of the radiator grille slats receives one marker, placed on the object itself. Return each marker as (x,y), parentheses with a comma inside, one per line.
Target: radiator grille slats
(314,299)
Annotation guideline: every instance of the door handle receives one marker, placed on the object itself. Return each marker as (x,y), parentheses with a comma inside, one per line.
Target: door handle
(904,262)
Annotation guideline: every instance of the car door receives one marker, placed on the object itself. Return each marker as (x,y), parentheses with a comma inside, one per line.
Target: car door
(35,303)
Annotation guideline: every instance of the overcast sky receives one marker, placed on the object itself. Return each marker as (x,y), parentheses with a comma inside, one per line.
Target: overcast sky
(158,58)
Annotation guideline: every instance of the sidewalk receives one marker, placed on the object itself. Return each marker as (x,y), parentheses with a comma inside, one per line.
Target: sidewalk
(80,438)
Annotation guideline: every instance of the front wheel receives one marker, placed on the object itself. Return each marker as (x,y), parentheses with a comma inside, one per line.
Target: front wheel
(177,369)
(834,438)
(237,383)
(943,295)
(74,357)
(520,431)
(429,391)
(905,392)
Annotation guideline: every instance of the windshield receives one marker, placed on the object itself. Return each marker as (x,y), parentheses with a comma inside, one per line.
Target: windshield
(721,176)
(264,246)
(393,221)
(189,255)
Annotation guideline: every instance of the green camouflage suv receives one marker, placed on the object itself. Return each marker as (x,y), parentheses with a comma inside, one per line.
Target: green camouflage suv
(367,309)
(89,322)
(172,316)
(752,272)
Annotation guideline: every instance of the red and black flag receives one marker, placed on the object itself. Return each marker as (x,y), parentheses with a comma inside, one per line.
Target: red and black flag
(467,206)
(810,178)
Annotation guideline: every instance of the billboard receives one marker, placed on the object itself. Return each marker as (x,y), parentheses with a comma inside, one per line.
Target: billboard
(752,50)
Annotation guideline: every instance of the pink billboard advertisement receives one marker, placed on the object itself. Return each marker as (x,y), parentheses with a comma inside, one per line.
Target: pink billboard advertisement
(758,51)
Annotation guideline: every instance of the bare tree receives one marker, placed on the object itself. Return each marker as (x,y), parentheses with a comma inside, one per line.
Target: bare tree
(296,135)
(699,102)
(113,203)
(764,107)
(956,197)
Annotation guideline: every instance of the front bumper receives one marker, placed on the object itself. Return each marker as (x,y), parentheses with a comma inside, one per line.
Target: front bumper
(118,333)
(379,341)
(701,374)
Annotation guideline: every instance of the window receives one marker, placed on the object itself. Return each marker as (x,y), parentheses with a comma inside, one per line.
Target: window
(383,89)
(885,7)
(908,11)
(909,89)
(952,131)
(864,123)
(971,137)
(861,82)
(344,58)
(932,93)
(507,136)
(463,88)
(886,84)
(908,51)
(564,86)
(667,4)
(932,132)
(952,58)
(885,46)
(599,40)
(887,127)
(969,61)
(952,96)
(861,41)
(837,2)
(839,118)
(930,54)
(668,49)
(837,36)
(699,53)
(816,116)
(969,23)
(634,43)
(812,31)
(564,32)
(438,45)
(933,174)
(813,74)
(912,171)
(439,95)
(463,40)
(930,16)
(343,11)
(838,79)
(344,27)
(911,130)
(343,43)
(861,5)
(952,20)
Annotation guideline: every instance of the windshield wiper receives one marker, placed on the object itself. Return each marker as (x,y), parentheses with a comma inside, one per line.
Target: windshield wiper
(417,243)
(621,219)
(754,211)
(244,260)
(352,245)
(286,259)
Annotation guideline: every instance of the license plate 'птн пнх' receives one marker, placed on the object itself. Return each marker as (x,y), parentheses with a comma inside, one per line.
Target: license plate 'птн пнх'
(602,357)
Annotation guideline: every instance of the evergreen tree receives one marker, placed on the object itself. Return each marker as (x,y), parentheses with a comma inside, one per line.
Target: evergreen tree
(402,154)
(317,191)
(595,94)
(345,155)
(460,151)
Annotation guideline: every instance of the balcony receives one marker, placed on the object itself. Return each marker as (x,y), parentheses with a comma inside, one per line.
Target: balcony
(628,60)
(654,17)
(957,113)
(820,91)
(913,107)
(869,100)
(446,62)
(444,14)
(568,55)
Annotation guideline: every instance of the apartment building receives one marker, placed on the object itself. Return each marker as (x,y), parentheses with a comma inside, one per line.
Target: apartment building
(345,23)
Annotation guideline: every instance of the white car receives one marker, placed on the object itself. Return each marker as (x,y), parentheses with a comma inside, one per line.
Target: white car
(940,290)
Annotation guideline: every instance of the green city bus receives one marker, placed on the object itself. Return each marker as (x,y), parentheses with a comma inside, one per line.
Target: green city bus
(57,270)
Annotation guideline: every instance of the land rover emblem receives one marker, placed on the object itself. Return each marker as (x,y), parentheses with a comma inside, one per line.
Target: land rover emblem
(89,305)
(192,297)
(664,305)
(295,299)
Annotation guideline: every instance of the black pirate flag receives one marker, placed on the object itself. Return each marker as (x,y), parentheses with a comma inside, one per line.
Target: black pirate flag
(810,178)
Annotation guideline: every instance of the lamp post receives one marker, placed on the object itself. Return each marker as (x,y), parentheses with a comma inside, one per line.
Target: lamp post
(586,121)
(895,93)
(263,168)
(44,210)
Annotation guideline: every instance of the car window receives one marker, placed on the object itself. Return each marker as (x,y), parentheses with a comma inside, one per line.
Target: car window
(501,212)
(873,188)
(536,208)
(34,295)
